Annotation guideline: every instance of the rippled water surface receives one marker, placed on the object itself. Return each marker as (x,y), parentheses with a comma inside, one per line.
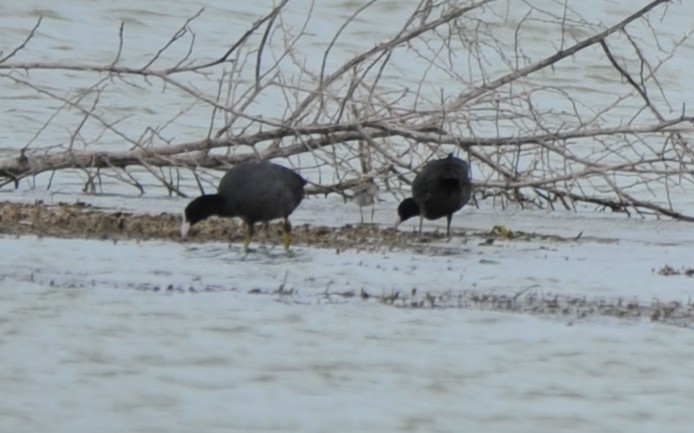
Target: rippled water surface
(97,335)
(169,337)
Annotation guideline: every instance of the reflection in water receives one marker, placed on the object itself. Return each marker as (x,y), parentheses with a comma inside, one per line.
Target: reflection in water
(274,254)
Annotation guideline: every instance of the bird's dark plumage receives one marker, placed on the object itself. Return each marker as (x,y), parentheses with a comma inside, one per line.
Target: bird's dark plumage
(442,188)
(254,192)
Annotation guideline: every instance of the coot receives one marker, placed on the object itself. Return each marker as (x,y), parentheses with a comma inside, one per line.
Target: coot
(252,191)
(440,189)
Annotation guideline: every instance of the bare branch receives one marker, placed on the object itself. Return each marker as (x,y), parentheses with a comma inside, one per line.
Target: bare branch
(468,96)
(21,46)
(120,44)
(179,34)
(455,76)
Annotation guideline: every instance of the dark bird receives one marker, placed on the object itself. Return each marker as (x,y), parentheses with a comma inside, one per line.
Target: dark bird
(440,189)
(254,192)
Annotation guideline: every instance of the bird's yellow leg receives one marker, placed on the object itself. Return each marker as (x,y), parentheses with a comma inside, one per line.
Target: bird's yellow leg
(287,235)
(250,232)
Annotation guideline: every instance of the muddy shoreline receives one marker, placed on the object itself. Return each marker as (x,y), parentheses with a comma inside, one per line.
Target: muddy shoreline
(84,221)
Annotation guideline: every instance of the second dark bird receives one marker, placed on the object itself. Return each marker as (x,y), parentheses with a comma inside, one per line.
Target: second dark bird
(442,188)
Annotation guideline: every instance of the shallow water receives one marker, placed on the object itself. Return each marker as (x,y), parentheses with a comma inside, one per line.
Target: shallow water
(110,335)
(122,361)
(162,336)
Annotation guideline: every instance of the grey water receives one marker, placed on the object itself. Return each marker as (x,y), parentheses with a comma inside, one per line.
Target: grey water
(87,343)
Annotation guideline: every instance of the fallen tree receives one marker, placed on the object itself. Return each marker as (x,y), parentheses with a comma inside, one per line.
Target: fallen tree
(531,137)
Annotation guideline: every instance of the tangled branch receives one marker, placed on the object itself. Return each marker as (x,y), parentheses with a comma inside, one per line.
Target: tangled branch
(456,76)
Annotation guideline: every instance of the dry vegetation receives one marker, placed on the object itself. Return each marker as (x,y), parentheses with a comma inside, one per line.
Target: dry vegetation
(83,221)
(478,88)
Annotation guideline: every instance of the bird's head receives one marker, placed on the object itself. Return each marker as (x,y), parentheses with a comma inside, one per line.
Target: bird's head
(406,210)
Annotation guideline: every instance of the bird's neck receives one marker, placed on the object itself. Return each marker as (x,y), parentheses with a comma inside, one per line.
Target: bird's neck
(208,205)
